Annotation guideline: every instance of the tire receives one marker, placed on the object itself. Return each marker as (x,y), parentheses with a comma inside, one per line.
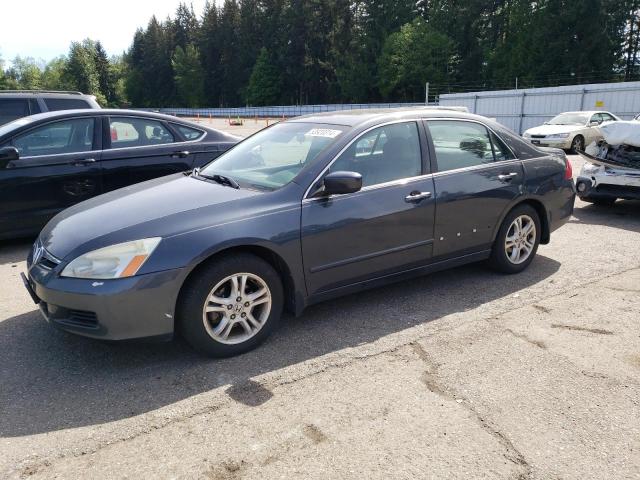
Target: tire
(503,261)
(601,201)
(212,288)
(577,144)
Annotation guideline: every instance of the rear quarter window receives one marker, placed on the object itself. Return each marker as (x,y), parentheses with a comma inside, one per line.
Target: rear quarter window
(54,104)
(12,109)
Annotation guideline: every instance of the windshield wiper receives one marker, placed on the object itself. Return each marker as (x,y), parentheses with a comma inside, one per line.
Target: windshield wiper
(221,179)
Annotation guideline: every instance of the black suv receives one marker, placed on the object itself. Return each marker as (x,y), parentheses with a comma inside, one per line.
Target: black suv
(16,104)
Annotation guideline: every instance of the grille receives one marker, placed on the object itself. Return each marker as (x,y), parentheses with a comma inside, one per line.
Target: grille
(43,258)
(83,318)
(538,136)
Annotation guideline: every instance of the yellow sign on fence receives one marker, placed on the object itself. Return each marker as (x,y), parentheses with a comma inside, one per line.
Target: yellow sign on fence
(599,103)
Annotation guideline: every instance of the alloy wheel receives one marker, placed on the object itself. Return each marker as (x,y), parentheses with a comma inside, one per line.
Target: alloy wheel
(237,308)
(520,239)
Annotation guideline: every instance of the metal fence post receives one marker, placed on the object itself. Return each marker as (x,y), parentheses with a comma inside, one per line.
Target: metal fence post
(584,91)
(521,112)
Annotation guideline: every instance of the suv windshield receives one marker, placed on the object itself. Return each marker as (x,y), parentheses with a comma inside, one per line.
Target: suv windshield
(273,157)
(569,119)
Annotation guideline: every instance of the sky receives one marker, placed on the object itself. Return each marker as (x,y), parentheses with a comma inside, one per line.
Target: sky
(43,29)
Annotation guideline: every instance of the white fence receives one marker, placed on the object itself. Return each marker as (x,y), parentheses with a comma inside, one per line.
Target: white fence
(523,109)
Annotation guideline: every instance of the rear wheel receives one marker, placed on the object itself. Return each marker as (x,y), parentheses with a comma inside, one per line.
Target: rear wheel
(231,305)
(517,240)
(577,145)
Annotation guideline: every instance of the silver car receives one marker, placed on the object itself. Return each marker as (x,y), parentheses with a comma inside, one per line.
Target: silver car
(570,130)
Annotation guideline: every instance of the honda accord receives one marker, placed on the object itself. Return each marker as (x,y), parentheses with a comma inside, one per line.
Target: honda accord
(306,210)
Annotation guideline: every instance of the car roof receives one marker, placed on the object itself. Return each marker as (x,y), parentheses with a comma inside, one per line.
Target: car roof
(103,111)
(352,118)
(41,93)
(588,112)
(60,114)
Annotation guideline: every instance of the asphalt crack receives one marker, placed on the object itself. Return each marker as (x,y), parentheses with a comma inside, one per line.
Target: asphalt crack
(598,331)
(434,384)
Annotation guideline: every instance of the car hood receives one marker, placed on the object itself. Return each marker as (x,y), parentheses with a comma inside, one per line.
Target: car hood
(162,207)
(553,129)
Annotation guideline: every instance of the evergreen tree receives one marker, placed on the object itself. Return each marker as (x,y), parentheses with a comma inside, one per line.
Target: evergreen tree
(265,82)
(189,77)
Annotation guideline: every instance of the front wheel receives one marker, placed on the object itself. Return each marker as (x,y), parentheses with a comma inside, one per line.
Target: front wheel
(231,305)
(517,240)
(577,145)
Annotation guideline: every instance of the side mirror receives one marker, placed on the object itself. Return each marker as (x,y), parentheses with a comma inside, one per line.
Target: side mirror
(8,154)
(342,182)
(594,123)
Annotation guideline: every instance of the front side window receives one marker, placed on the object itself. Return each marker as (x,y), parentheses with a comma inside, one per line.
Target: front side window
(460,144)
(138,132)
(66,136)
(385,154)
(274,156)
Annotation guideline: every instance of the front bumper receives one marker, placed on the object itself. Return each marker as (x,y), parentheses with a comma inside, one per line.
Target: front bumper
(120,309)
(563,143)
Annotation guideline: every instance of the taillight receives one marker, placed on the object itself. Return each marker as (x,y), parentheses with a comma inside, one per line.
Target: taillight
(568,170)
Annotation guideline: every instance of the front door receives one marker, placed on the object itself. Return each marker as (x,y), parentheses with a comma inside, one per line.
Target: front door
(476,178)
(384,228)
(59,166)
(139,149)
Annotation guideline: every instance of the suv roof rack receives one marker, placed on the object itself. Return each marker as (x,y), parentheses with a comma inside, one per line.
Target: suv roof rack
(70,92)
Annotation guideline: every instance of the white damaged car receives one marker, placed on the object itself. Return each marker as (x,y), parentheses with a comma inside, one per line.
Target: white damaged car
(570,130)
(612,168)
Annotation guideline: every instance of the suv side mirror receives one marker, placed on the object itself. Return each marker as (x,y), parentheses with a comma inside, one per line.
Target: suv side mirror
(8,154)
(337,183)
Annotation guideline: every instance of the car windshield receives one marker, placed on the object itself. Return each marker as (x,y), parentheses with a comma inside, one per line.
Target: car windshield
(569,119)
(273,157)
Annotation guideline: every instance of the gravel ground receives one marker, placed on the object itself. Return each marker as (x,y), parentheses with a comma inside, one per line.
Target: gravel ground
(461,374)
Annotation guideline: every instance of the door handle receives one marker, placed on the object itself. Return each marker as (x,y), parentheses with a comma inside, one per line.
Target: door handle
(181,154)
(415,197)
(507,177)
(86,161)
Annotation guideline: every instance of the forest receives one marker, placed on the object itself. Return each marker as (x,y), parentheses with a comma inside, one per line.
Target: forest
(274,52)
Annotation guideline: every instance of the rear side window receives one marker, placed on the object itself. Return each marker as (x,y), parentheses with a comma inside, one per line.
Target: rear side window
(65,103)
(500,149)
(188,132)
(65,136)
(460,144)
(137,132)
(12,109)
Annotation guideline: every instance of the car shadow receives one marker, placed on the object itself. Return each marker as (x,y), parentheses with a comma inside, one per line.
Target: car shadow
(14,251)
(624,214)
(51,380)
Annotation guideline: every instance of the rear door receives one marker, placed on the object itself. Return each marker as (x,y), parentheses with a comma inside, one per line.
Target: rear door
(59,166)
(139,149)
(476,179)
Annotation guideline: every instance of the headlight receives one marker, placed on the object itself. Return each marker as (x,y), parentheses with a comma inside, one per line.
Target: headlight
(558,135)
(116,261)
(526,135)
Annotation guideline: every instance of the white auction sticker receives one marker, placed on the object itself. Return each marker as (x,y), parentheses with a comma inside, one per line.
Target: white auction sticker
(323,132)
